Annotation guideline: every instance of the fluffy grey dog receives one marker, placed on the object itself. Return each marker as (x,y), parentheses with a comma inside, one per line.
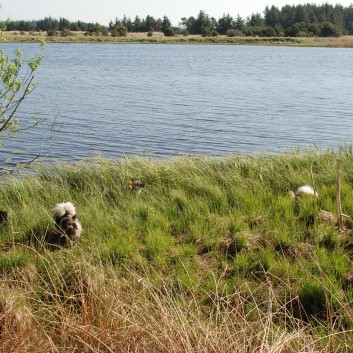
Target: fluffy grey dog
(66,220)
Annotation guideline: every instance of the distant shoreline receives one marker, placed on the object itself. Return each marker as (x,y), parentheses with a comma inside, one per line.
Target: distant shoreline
(159,38)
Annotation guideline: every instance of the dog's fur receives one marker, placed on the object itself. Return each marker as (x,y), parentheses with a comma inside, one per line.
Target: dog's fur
(66,220)
(3,216)
(306,190)
(136,186)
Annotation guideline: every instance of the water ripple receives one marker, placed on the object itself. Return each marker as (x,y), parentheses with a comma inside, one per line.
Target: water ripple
(170,100)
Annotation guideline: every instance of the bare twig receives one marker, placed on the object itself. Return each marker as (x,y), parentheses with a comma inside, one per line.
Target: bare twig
(338,200)
(54,128)
(312,178)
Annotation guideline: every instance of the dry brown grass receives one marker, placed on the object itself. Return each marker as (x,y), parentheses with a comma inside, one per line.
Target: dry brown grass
(93,309)
(340,42)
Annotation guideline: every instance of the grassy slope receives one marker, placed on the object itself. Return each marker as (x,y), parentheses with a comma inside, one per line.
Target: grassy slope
(159,38)
(213,254)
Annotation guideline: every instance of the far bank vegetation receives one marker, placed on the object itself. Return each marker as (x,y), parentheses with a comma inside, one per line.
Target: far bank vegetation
(309,20)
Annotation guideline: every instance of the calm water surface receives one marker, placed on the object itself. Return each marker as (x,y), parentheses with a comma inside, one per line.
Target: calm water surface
(166,100)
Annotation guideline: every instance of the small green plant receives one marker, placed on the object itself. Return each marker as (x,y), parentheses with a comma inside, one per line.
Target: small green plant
(52,33)
(104,32)
(312,299)
(169,32)
(65,32)
(150,34)
(206,32)
(234,33)
(209,32)
(329,239)
(120,31)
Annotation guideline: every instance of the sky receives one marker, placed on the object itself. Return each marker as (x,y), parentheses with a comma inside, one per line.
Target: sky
(102,11)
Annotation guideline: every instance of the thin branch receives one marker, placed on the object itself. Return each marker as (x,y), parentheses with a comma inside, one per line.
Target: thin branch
(6,123)
(11,104)
(28,164)
(5,93)
(312,177)
(14,78)
(338,200)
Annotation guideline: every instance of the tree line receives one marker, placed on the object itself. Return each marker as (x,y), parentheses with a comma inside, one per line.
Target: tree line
(290,20)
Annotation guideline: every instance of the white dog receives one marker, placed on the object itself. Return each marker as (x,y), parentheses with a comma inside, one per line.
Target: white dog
(306,190)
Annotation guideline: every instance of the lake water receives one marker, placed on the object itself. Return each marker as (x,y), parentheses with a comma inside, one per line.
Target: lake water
(166,100)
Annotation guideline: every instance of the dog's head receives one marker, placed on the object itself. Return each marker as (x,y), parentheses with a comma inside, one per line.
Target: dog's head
(135,185)
(70,226)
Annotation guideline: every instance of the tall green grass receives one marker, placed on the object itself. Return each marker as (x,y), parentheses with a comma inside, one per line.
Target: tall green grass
(211,244)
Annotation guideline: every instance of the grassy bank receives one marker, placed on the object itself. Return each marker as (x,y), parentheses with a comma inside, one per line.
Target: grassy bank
(159,38)
(213,256)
